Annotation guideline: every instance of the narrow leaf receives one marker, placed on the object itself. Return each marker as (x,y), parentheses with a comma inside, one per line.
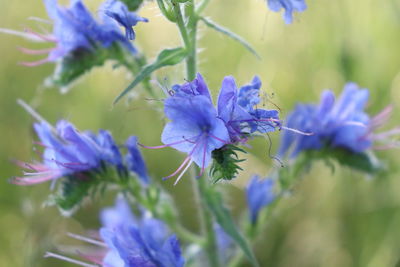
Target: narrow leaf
(230,34)
(167,57)
(224,219)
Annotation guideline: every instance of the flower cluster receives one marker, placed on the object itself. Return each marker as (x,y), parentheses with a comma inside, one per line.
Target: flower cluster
(75,31)
(289,6)
(131,241)
(198,128)
(335,124)
(68,152)
(136,241)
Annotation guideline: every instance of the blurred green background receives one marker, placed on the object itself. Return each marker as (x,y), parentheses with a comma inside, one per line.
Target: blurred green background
(333,219)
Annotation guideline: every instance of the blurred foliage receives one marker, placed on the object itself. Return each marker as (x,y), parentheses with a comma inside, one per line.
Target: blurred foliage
(332,219)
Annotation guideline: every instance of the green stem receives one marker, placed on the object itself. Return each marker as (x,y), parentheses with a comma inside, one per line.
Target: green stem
(288,176)
(188,34)
(202,6)
(207,223)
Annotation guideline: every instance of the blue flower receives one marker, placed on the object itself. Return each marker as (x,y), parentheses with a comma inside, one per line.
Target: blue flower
(194,129)
(135,161)
(137,241)
(236,109)
(196,87)
(197,128)
(259,193)
(340,124)
(68,151)
(225,244)
(75,31)
(119,12)
(289,6)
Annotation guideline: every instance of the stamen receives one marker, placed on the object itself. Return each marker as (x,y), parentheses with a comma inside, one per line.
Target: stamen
(86,239)
(355,123)
(183,172)
(35,63)
(33,113)
(177,170)
(381,118)
(219,139)
(204,161)
(163,146)
(33,180)
(386,134)
(40,20)
(184,162)
(25,35)
(60,257)
(297,131)
(41,36)
(35,51)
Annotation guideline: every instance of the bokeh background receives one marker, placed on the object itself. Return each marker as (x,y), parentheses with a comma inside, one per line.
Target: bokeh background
(339,218)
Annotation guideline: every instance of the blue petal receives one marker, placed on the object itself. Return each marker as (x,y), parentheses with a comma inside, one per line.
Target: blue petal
(135,161)
(259,194)
(196,87)
(118,11)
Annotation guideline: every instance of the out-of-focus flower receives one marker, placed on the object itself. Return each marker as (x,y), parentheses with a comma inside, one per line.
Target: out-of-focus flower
(68,152)
(236,109)
(134,160)
(76,31)
(198,129)
(119,12)
(259,193)
(138,241)
(130,241)
(289,7)
(194,129)
(340,124)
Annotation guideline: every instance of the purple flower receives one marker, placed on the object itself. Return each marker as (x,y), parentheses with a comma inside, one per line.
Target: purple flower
(138,241)
(69,152)
(336,124)
(225,244)
(129,241)
(236,109)
(76,31)
(119,12)
(197,128)
(194,129)
(259,193)
(289,6)
(135,161)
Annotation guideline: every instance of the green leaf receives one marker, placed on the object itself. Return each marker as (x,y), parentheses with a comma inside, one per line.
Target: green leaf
(215,204)
(167,57)
(73,191)
(230,34)
(133,5)
(80,61)
(364,162)
(225,160)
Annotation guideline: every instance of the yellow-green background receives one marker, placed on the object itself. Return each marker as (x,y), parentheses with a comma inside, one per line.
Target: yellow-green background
(340,219)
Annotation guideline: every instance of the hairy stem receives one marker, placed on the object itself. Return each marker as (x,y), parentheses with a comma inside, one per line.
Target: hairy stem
(207,223)
(188,32)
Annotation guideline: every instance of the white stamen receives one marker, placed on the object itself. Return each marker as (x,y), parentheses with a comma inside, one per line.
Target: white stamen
(33,113)
(25,35)
(40,20)
(86,239)
(183,172)
(296,131)
(387,134)
(60,257)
